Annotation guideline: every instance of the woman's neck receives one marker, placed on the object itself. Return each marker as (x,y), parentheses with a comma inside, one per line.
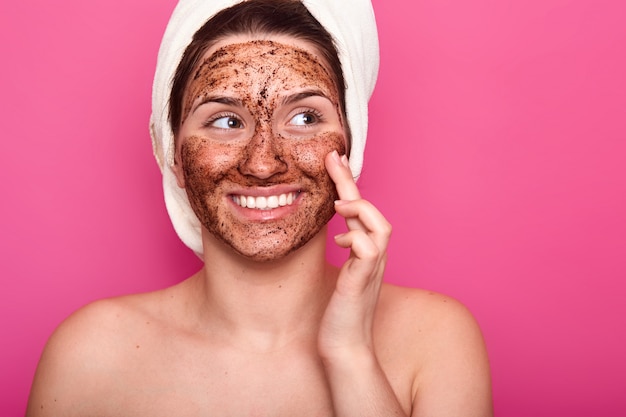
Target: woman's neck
(264,304)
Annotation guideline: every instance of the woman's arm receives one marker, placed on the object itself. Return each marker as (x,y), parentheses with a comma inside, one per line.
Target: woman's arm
(453,377)
(358,384)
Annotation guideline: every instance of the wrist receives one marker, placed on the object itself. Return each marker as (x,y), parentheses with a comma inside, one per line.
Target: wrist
(349,359)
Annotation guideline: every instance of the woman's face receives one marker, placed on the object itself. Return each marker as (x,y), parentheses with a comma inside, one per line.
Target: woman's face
(259,117)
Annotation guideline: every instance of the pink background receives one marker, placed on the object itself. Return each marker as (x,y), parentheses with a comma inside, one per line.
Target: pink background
(497,150)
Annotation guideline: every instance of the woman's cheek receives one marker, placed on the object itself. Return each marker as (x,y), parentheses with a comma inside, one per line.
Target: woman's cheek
(210,158)
(309,154)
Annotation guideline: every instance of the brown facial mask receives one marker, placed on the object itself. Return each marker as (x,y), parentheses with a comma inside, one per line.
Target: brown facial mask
(259,119)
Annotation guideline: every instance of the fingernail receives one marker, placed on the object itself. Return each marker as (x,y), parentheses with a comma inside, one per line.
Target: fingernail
(344,161)
(340,202)
(336,157)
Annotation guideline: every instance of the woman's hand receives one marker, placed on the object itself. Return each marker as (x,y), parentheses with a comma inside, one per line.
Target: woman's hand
(346,328)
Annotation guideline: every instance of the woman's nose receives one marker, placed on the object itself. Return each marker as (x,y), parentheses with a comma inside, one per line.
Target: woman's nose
(262,156)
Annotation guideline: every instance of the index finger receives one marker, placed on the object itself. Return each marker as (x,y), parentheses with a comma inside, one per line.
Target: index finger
(339,171)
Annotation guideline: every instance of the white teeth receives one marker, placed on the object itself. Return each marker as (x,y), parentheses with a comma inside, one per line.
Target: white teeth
(265,203)
(272,202)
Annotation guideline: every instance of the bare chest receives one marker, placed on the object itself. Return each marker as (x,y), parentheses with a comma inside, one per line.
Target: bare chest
(220,384)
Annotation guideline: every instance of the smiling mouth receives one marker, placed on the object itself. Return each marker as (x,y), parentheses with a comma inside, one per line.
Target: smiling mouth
(266,202)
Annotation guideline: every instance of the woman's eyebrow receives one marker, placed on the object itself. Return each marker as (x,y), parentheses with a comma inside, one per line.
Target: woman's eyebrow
(292,98)
(229,101)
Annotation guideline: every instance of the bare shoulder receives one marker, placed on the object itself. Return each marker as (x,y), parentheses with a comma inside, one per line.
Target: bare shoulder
(442,341)
(78,358)
(99,324)
(436,314)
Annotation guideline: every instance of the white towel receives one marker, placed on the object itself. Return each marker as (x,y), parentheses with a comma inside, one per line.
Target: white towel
(353,27)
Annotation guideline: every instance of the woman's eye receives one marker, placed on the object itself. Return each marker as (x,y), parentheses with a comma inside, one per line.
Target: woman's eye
(227,122)
(303,119)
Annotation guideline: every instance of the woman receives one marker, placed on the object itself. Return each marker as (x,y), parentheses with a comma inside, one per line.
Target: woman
(262,113)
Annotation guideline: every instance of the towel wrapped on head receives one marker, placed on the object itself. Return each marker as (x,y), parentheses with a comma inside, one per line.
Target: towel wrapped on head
(352,25)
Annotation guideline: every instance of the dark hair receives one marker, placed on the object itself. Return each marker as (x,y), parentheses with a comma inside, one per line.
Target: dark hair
(281,17)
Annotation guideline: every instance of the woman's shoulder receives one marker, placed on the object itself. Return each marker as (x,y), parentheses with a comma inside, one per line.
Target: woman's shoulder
(432,320)
(422,308)
(95,329)
(80,353)
(105,318)
(441,341)
(105,325)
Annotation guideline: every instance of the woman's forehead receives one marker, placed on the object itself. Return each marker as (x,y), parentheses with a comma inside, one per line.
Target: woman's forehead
(247,61)
(279,39)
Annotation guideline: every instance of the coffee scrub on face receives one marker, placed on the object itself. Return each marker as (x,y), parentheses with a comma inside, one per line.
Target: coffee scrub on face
(259,119)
